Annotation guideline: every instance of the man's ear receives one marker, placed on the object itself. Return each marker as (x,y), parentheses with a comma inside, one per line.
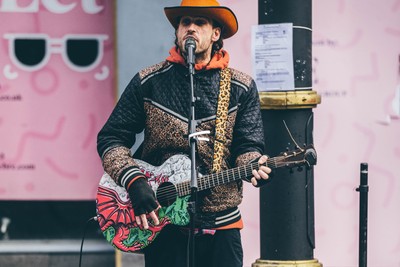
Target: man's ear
(216,34)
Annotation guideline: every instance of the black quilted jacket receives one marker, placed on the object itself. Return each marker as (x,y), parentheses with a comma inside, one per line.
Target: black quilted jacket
(157,100)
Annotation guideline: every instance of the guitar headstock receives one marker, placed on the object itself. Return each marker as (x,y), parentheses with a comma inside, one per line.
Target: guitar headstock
(306,156)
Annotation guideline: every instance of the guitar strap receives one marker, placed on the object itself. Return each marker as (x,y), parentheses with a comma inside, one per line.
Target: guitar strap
(221,118)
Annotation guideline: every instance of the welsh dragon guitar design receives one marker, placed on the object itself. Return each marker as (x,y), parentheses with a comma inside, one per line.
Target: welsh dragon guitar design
(171,184)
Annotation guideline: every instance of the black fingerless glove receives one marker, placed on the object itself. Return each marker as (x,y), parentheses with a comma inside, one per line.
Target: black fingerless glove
(260,182)
(142,197)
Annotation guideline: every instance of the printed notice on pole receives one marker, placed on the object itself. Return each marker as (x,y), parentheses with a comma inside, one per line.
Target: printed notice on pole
(272,56)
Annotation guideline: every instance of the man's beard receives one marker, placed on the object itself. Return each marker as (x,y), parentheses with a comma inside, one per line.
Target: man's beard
(202,55)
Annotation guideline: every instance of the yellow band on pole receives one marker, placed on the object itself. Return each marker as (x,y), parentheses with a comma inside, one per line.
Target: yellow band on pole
(289,99)
(272,263)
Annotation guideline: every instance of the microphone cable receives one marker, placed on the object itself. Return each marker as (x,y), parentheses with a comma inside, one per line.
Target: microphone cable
(83,238)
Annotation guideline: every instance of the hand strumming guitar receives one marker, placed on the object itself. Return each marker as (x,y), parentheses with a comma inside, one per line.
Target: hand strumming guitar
(143,202)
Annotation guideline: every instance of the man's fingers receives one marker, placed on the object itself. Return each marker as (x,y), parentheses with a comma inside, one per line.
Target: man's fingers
(138,220)
(142,219)
(262,173)
(256,174)
(265,169)
(262,159)
(154,217)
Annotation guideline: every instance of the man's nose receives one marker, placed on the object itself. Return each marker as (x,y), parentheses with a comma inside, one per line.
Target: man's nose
(191,27)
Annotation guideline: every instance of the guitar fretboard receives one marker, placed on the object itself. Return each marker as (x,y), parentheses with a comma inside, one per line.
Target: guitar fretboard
(212,180)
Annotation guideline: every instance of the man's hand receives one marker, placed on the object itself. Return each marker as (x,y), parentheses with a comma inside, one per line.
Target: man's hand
(261,173)
(144,202)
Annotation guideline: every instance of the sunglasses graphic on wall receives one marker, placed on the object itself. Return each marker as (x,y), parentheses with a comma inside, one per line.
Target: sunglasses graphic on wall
(32,51)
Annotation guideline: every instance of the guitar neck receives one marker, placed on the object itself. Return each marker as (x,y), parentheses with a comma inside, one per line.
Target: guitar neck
(227,176)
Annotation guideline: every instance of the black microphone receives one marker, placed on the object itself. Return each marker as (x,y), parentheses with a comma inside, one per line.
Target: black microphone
(190,47)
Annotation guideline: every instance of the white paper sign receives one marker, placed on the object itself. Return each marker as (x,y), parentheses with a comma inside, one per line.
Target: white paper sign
(272,56)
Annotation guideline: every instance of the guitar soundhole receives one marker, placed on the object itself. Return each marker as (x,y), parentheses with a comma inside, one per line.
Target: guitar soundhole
(166,194)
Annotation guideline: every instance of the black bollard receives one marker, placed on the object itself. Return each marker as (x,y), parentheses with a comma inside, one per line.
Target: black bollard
(363,223)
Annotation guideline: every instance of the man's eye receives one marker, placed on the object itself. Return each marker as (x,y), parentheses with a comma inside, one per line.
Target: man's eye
(186,21)
(200,22)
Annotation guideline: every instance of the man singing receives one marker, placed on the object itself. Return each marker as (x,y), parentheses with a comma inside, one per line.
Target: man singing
(158,101)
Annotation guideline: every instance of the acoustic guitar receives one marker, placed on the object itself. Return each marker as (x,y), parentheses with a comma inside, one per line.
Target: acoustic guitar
(171,184)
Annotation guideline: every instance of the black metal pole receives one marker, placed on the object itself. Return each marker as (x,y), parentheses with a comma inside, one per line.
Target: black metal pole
(298,12)
(287,202)
(363,223)
(287,215)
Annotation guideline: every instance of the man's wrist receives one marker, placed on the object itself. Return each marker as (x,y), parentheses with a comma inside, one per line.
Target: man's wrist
(134,180)
(129,176)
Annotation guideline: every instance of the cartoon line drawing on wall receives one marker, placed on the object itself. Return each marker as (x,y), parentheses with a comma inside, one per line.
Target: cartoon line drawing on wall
(32,51)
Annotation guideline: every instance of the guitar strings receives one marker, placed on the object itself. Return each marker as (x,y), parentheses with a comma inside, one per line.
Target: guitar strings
(221,178)
(205,182)
(183,188)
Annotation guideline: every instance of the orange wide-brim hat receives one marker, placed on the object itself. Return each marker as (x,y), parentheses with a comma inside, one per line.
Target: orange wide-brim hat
(204,8)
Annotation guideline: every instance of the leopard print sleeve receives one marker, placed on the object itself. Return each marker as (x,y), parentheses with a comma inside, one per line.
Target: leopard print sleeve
(117,161)
(246,158)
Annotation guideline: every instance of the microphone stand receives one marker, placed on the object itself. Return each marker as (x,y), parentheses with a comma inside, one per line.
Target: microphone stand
(190,46)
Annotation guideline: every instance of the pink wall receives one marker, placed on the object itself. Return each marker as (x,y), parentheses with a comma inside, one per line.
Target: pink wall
(357,72)
(50,113)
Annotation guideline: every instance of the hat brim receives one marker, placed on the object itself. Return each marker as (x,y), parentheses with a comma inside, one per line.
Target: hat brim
(223,15)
